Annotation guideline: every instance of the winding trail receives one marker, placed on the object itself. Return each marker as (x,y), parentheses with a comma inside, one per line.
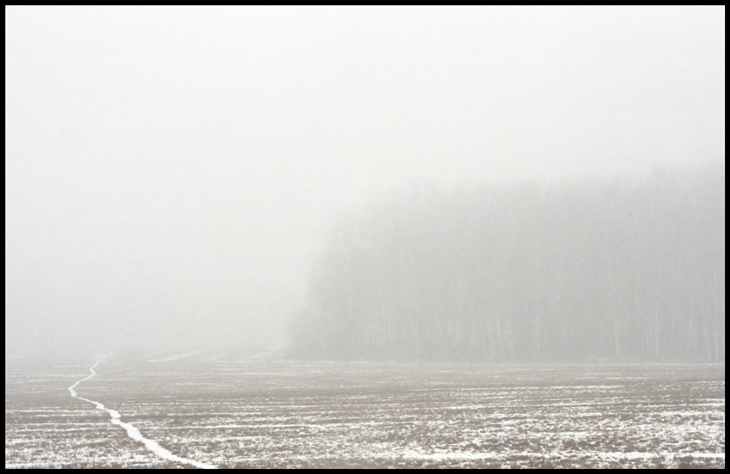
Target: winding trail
(132,431)
(176,357)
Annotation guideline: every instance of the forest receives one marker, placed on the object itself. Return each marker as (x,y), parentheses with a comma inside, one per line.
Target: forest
(627,270)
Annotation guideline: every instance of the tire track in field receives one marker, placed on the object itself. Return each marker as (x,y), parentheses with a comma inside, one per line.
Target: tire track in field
(132,431)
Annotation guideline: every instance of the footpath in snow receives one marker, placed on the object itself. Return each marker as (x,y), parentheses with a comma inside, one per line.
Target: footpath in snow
(132,431)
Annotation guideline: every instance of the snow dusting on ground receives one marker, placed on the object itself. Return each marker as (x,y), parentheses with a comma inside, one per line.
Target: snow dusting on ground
(236,411)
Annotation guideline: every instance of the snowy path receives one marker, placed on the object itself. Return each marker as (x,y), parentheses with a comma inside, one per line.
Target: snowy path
(132,431)
(177,357)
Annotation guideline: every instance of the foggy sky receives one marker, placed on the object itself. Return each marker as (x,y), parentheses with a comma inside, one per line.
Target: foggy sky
(172,173)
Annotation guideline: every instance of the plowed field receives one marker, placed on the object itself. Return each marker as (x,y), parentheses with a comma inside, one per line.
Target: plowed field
(233,411)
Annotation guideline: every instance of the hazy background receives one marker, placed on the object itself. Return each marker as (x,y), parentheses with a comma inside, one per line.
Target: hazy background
(172,173)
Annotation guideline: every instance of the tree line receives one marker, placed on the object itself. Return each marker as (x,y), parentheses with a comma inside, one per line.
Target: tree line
(573,272)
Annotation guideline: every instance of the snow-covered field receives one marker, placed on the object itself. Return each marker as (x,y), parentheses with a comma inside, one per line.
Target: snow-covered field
(230,410)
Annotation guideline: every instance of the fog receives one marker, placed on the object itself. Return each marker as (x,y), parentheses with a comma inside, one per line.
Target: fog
(173,175)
